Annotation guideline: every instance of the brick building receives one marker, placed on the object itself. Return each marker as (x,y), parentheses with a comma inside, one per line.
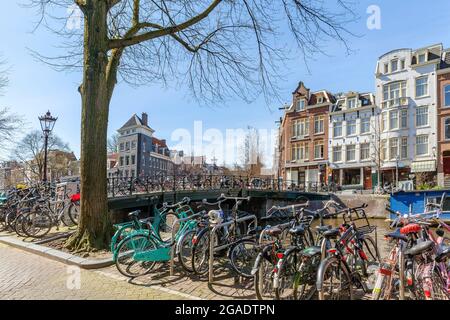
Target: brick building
(443,98)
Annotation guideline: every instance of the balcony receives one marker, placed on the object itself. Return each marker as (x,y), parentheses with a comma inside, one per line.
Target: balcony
(300,137)
(392,103)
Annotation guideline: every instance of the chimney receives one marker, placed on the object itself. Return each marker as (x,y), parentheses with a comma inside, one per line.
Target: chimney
(144,119)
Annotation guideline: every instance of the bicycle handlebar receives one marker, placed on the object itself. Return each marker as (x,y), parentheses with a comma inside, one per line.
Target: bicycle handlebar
(184,201)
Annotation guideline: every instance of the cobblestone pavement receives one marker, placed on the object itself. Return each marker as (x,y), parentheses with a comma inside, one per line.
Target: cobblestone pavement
(24,275)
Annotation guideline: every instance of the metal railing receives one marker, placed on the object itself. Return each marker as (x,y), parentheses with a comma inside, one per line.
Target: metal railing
(123,186)
(211,242)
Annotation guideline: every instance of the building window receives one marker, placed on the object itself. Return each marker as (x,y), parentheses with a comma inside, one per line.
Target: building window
(403,118)
(394,65)
(422,86)
(318,150)
(404,153)
(393,91)
(447,129)
(300,151)
(365,125)
(318,124)
(402,64)
(386,68)
(121,146)
(393,120)
(351,153)
(393,144)
(301,105)
(121,161)
(133,144)
(337,154)
(337,129)
(422,58)
(127,145)
(351,103)
(421,145)
(365,151)
(422,116)
(383,149)
(320,100)
(384,121)
(301,128)
(133,159)
(447,95)
(351,127)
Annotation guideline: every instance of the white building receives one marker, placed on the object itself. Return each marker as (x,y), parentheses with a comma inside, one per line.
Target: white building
(406,93)
(351,140)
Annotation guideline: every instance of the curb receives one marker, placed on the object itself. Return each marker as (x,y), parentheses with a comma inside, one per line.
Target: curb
(57,255)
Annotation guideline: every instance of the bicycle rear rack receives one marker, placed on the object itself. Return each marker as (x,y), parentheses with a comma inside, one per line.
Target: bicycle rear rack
(211,243)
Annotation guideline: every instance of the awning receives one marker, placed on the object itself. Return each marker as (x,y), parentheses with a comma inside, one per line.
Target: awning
(423,166)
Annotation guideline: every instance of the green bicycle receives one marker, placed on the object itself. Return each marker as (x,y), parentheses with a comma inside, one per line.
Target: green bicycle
(139,251)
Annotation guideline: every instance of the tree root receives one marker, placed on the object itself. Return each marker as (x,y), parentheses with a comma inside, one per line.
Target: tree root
(86,242)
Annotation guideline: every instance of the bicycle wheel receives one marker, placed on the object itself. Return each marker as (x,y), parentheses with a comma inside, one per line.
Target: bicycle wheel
(305,278)
(18,225)
(439,286)
(264,280)
(10,219)
(185,250)
(200,253)
(125,253)
(287,270)
(165,226)
(74,212)
(334,281)
(37,224)
(242,257)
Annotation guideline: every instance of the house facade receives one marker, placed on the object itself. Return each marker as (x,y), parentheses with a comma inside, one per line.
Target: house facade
(443,132)
(140,153)
(406,85)
(303,138)
(352,129)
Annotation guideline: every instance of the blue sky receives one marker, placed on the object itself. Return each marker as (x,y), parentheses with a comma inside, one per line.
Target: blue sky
(34,87)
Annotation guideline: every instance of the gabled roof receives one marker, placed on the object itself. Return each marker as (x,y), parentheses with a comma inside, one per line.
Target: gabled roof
(135,121)
(445,62)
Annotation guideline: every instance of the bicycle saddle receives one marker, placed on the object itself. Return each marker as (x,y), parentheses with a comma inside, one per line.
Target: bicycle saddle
(322,229)
(135,213)
(420,248)
(311,251)
(298,230)
(333,233)
(444,254)
(397,235)
(274,231)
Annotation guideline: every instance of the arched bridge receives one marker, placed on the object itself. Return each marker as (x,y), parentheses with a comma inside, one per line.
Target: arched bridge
(130,193)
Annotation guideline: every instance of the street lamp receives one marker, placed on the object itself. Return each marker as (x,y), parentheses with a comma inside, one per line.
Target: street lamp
(47,124)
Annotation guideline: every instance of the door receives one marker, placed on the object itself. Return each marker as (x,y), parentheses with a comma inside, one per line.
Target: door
(367,178)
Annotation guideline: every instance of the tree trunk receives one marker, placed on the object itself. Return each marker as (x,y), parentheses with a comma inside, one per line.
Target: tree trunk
(94,229)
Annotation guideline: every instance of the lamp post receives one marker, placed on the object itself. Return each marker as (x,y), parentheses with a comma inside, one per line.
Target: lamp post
(47,124)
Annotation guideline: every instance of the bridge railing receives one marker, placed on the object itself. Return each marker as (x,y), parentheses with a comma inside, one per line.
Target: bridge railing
(123,186)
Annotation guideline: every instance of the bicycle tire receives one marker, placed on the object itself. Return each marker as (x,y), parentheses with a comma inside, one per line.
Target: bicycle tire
(165,226)
(185,250)
(200,253)
(74,212)
(45,220)
(287,269)
(325,269)
(263,280)
(125,261)
(242,257)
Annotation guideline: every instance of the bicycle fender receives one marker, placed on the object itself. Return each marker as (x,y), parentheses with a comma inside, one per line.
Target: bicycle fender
(321,271)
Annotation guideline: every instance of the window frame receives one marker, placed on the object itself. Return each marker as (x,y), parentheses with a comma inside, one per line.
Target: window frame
(337,150)
(319,143)
(347,150)
(320,120)
(396,61)
(447,95)
(361,151)
(393,112)
(427,116)
(445,128)
(335,127)
(426,84)
(353,121)
(363,121)
(425,143)
(297,107)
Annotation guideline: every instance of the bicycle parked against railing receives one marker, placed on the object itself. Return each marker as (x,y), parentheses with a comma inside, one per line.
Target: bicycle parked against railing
(352,262)
(238,240)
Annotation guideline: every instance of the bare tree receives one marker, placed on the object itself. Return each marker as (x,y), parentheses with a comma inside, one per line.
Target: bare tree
(10,123)
(218,48)
(30,152)
(379,153)
(113,143)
